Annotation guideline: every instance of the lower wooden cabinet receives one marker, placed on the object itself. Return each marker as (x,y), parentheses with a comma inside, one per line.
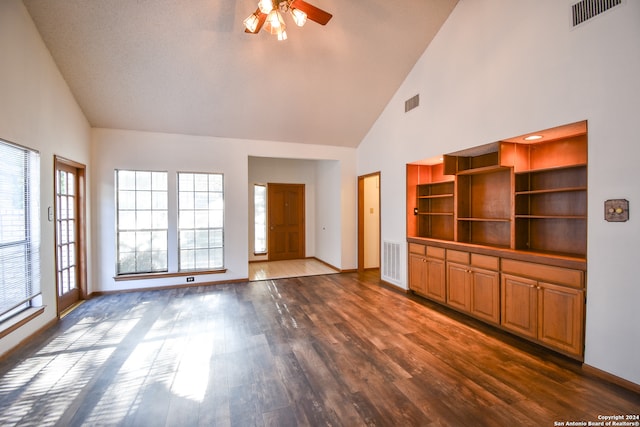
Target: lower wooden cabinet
(541,302)
(427,271)
(550,313)
(472,287)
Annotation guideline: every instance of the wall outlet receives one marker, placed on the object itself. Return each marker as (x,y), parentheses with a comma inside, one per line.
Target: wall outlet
(190,279)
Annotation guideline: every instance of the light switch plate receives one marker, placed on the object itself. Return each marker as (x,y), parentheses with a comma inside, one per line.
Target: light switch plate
(616,210)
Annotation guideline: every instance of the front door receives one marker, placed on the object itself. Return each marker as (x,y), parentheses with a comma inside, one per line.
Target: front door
(69,219)
(286,221)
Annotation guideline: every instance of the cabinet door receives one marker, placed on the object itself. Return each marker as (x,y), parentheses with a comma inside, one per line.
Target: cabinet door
(436,285)
(458,283)
(485,295)
(519,305)
(417,273)
(561,317)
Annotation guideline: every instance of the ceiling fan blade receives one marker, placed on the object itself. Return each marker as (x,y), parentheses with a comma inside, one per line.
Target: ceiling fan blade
(261,18)
(313,13)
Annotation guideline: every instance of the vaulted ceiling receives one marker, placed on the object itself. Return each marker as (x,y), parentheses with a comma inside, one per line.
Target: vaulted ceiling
(186,66)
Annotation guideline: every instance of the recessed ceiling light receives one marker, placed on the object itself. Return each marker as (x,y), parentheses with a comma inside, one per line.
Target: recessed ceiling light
(533,137)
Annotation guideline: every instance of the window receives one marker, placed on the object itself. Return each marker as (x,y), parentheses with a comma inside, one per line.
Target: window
(200,221)
(142,221)
(19,229)
(260,218)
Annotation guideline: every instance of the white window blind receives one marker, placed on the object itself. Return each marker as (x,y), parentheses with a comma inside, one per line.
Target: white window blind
(19,228)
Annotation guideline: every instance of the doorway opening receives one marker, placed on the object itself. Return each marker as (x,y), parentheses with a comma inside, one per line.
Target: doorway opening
(369,222)
(70,233)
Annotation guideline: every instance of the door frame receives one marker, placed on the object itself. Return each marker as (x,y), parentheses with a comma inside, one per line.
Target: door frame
(81,226)
(361,213)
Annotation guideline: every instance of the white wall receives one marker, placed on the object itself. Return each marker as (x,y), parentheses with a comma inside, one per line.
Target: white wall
(333,223)
(37,111)
(499,69)
(120,149)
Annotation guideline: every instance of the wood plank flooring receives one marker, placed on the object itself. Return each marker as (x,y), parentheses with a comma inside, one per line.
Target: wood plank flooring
(334,350)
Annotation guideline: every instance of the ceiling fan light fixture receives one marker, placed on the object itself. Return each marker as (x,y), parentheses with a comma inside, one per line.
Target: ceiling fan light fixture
(266,6)
(274,23)
(251,23)
(299,17)
(269,15)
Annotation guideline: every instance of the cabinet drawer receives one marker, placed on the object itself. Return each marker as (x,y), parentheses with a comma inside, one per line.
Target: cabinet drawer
(485,261)
(546,273)
(458,256)
(417,249)
(434,252)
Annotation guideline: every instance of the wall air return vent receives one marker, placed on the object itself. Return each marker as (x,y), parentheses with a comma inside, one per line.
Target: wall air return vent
(411,103)
(587,9)
(391,262)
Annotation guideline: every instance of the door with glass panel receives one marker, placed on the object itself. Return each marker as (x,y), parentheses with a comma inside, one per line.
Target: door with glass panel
(69,220)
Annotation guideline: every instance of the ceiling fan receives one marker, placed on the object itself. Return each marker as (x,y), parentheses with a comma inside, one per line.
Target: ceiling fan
(269,15)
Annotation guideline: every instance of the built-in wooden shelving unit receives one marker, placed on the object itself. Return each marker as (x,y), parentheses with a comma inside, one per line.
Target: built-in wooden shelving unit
(501,228)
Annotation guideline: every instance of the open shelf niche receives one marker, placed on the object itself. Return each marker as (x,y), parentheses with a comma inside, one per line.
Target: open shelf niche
(511,194)
(430,201)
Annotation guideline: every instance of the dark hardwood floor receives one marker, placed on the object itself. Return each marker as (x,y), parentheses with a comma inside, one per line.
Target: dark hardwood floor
(339,350)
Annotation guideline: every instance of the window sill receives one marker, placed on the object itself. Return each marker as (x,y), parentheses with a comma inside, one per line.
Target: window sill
(19,319)
(142,276)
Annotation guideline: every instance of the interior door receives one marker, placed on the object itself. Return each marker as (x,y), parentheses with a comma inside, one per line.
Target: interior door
(286,215)
(69,234)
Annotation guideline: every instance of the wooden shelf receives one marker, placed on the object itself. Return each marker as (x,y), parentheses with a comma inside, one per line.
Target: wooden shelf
(486,219)
(554,190)
(553,216)
(551,168)
(436,196)
(486,169)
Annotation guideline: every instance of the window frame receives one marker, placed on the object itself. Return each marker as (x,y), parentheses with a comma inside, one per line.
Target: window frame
(118,237)
(181,216)
(262,225)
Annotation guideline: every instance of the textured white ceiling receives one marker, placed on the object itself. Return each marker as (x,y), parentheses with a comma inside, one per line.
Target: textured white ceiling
(186,66)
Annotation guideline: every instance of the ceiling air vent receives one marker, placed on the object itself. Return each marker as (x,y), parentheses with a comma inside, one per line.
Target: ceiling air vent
(411,103)
(587,9)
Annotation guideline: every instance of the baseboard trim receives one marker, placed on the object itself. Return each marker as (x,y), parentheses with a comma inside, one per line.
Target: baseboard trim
(328,265)
(608,377)
(167,287)
(394,287)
